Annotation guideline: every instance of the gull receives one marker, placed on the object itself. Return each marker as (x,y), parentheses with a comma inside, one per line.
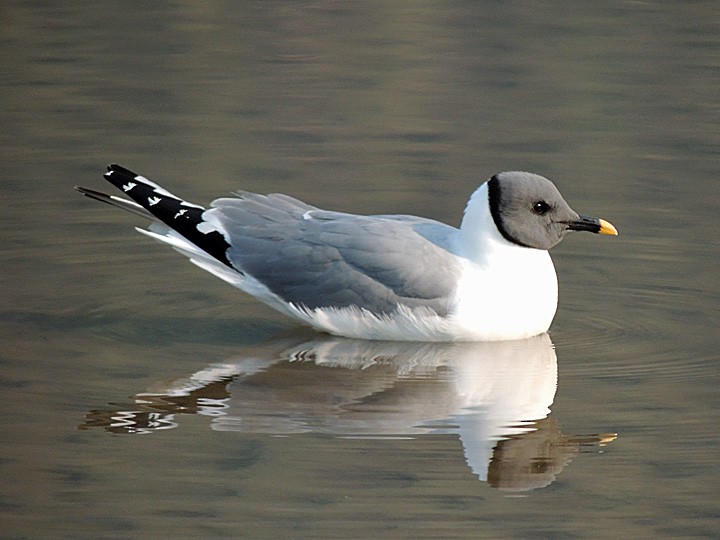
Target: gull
(379,277)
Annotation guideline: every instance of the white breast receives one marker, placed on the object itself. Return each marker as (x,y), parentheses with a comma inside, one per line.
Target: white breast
(514,298)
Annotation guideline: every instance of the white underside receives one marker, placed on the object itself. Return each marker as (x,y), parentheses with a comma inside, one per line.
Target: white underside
(514,298)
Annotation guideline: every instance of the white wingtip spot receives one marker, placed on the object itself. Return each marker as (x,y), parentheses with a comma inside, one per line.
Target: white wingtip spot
(152,201)
(206,227)
(127,187)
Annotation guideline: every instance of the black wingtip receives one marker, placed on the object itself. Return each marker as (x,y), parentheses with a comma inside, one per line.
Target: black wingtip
(118,202)
(87,191)
(96,195)
(174,212)
(114,167)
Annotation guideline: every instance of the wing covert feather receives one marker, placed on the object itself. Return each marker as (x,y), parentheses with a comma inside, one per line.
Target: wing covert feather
(317,258)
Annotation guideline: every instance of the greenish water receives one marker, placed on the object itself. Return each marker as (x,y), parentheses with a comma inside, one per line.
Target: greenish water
(144,398)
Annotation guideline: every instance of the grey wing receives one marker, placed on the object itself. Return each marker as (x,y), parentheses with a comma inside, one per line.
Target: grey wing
(317,259)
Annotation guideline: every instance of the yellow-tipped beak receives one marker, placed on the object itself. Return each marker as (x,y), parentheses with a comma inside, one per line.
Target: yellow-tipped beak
(607,228)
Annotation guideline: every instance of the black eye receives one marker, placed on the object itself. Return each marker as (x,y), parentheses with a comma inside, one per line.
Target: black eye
(541,208)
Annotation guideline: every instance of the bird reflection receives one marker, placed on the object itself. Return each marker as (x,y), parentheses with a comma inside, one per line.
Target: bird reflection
(495,396)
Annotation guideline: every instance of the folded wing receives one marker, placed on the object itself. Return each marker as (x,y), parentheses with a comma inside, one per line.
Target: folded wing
(320,259)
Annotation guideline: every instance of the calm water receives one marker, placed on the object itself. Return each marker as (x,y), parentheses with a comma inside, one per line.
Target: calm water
(144,398)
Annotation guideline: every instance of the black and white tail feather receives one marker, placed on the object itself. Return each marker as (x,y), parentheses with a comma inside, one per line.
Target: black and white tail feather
(173,221)
(155,202)
(190,229)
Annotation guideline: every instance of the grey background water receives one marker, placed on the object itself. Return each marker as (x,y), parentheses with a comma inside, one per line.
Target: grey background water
(365,107)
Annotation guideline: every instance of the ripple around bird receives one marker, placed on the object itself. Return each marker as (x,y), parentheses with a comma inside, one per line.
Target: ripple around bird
(643,336)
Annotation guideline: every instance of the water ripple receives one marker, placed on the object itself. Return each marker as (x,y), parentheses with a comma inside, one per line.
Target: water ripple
(646,337)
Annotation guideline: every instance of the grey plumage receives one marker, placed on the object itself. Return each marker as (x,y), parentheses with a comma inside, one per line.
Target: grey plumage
(316,258)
